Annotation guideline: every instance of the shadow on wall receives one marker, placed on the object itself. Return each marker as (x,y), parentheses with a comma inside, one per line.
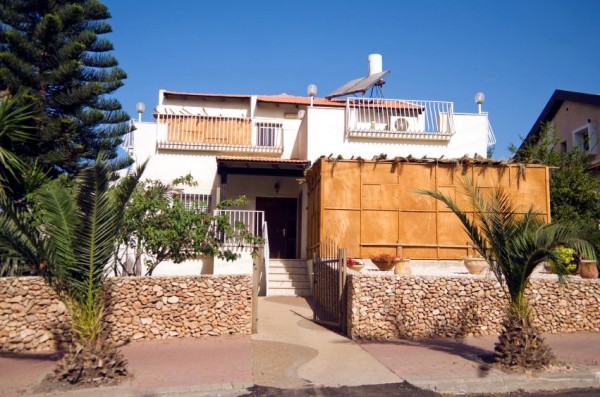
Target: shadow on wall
(466,322)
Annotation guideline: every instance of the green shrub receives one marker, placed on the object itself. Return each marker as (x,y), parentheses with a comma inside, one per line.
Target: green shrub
(566,257)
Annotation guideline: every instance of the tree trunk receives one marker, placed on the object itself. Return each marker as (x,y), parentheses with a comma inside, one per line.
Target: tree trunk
(521,345)
(90,363)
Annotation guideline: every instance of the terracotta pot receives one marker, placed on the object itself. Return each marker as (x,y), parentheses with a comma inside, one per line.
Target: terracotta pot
(402,268)
(385,265)
(475,265)
(588,269)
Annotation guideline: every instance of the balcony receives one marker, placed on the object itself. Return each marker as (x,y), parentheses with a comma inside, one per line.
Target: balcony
(216,133)
(399,119)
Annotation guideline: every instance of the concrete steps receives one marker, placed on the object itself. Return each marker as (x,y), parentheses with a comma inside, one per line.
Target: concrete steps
(288,277)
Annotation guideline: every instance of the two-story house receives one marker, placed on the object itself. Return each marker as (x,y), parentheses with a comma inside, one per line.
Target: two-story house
(575,117)
(260,146)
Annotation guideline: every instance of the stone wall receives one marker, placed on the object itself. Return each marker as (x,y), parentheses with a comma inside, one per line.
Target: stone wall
(381,307)
(31,318)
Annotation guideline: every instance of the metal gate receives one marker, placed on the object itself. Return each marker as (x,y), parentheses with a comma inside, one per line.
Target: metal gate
(329,292)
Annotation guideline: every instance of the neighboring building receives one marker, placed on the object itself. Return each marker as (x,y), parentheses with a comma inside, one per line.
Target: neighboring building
(260,146)
(575,117)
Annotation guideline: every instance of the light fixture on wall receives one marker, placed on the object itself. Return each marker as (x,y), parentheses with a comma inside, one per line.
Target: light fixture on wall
(277,187)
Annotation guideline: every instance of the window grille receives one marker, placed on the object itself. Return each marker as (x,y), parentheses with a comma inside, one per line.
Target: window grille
(268,133)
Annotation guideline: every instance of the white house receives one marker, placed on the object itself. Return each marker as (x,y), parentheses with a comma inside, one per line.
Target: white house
(260,145)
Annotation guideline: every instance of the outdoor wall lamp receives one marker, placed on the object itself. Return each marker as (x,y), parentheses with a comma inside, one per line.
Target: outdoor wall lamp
(141,108)
(311,90)
(277,187)
(479,99)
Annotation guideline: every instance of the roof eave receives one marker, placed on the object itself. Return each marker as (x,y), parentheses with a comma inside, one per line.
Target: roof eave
(554,103)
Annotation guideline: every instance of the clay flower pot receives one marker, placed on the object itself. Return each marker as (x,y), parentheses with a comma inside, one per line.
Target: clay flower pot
(385,265)
(475,265)
(402,268)
(588,269)
(355,264)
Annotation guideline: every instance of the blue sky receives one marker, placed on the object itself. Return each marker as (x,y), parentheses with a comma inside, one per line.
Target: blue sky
(516,52)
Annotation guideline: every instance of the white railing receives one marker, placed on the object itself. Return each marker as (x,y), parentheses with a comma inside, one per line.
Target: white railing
(195,132)
(266,254)
(127,144)
(491,138)
(399,119)
(252,221)
(202,201)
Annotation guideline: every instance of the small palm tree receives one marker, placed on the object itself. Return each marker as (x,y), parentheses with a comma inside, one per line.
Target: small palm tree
(15,129)
(514,245)
(71,248)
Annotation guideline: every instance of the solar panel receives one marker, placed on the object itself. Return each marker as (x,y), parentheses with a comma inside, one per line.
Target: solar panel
(361,84)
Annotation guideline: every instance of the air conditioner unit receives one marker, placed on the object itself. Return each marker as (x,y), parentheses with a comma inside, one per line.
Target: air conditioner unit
(402,124)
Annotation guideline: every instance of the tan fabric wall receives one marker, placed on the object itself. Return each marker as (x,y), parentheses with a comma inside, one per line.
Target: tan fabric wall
(371,207)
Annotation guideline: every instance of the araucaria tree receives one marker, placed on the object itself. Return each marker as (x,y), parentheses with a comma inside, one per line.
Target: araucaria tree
(52,53)
(514,245)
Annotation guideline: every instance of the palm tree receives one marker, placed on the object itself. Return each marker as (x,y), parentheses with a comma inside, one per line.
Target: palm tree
(71,248)
(514,245)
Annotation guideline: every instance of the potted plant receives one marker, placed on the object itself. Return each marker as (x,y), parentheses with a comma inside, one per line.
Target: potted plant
(355,264)
(387,262)
(475,264)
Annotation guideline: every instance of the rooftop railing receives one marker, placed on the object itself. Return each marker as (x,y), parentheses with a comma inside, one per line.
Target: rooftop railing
(399,119)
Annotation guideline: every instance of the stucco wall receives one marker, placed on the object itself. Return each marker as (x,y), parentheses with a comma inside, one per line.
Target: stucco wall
(382,307)
(326,129)
(31,318)
(572,116)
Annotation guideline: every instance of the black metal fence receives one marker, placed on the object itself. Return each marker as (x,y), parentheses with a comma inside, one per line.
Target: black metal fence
(329,292)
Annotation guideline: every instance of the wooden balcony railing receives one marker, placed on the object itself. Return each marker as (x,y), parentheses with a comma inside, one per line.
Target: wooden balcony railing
(220,133)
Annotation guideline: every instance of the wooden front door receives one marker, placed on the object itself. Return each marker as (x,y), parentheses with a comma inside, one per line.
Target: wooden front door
(280,214)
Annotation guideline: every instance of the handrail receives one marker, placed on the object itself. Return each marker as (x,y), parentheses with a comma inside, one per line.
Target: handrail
(266,254)
(252,221)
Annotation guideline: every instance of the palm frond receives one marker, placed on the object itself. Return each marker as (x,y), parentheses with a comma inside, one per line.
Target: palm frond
(59,228)
(15,127)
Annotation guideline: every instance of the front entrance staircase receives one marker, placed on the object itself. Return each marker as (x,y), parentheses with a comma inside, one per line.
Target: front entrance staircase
(288,277)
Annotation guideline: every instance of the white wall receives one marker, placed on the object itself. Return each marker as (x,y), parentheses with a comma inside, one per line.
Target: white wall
(187,268)
(326,134)
(170,164)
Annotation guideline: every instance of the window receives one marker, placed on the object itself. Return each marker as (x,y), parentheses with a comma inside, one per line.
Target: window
(563,146)
(202,201)
(585,138)
(268,134)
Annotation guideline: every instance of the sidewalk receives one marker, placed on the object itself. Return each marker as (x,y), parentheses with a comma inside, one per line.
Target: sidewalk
(171,367)
(443,365)
(455,367)
(290,351)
